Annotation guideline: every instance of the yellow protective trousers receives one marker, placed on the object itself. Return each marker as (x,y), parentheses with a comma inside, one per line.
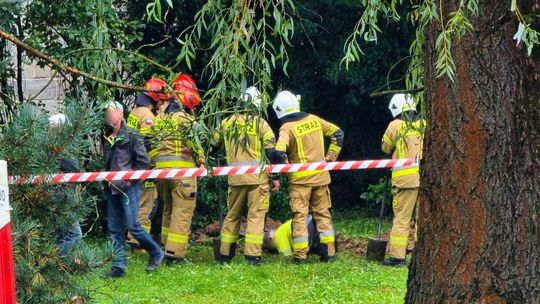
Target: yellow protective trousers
(179,197)
(316,198)
(256,200)
(404,204)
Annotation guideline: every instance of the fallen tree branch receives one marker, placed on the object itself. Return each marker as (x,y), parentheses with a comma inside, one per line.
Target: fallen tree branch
(57,64)
(145,58)
(392,92)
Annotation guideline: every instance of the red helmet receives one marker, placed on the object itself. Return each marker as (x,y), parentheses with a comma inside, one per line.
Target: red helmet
(155,84)
(190,97)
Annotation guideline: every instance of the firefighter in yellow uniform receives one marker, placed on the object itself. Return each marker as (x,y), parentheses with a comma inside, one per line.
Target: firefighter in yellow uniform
(172,128)
(403,139)
(247,192)
(141,118)
(301,140)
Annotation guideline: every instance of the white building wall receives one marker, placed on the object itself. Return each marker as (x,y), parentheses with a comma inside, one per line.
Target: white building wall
(35,79)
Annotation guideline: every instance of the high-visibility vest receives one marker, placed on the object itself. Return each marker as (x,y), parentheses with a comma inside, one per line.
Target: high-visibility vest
(283,238)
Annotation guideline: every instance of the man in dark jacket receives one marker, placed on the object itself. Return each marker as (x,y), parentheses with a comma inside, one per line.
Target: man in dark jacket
(124,150)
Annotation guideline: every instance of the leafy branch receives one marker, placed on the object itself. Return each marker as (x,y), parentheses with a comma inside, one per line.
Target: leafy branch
(245,41)
(525,32)
(154,10)
(367,27)
(423,13)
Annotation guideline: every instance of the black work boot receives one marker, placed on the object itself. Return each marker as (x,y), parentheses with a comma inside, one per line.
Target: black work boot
(170,260)
(298,261)
(155,261)
(254,260)
(323,253)
(115,273)
(394,262)
(224,259)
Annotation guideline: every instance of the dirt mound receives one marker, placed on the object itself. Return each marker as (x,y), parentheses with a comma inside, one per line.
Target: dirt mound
(212,229)
(199,236)
(347,243)
(359,246)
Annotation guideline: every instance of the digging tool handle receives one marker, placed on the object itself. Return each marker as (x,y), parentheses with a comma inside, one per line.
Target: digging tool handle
(220,199)
(385,195)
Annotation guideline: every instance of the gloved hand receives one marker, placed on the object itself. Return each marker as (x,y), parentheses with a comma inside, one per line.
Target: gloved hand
(331,156)
(201,161)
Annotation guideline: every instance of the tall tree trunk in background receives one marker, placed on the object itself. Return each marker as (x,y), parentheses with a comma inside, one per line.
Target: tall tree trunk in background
(3,76)
(479,226)
(7,107)
(20,52)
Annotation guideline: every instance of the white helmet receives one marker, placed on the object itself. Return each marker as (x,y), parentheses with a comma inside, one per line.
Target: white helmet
(254,95)
(57,120)
(286,103)
(401,103)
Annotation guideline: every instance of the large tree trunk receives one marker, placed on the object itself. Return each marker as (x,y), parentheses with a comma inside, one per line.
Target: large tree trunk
(479,219)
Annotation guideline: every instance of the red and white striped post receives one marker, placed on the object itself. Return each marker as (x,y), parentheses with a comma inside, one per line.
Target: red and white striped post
(7,273)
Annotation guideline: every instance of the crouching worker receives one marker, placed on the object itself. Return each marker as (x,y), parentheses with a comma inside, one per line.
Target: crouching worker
(124,150)
(280,240)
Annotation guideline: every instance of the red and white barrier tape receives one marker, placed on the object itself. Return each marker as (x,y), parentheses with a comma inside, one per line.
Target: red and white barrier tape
(218,171)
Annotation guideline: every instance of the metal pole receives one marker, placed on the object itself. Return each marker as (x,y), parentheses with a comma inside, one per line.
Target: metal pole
(220,198)
(383,202)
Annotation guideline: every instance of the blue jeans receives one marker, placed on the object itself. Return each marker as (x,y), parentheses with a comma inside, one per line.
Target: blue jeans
(123,211)
(69,236)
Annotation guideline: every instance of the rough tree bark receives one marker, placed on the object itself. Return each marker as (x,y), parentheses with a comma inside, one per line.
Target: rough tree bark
(479,225)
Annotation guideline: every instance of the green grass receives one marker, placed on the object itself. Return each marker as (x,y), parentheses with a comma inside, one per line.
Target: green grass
(355,224)
(351,279)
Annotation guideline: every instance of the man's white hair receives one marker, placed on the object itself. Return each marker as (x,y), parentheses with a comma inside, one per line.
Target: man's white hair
(114,105)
